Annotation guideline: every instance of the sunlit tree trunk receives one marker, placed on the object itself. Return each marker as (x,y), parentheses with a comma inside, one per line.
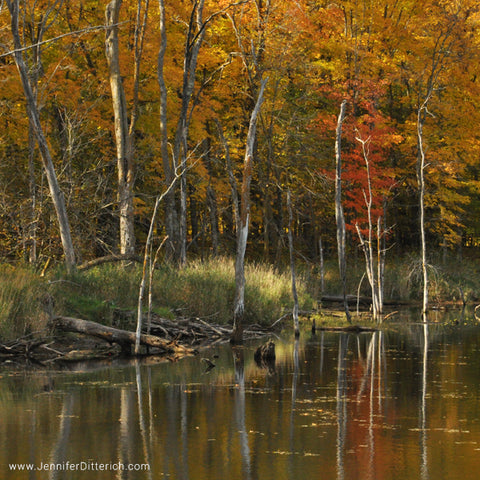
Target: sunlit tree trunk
(34,117)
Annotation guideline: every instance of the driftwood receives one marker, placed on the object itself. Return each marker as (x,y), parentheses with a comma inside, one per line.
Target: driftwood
(196,331)
(123,338)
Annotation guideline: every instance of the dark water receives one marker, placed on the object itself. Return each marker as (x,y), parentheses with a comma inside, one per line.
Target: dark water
(399,404)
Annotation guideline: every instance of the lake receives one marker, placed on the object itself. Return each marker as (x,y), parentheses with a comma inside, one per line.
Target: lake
(397,404)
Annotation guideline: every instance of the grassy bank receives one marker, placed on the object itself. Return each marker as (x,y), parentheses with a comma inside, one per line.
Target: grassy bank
(108,294)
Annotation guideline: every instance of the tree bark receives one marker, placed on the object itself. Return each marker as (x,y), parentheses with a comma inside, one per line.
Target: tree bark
(342,264)
(34,117)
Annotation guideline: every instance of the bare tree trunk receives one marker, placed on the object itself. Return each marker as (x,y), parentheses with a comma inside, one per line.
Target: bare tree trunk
(292,266)
(122,138)
(34,117)
(373,274)
(213,211)
(177,224)
(322,267)
(421,185)
(169,168)
(342,264)
(241,207)
(147,264)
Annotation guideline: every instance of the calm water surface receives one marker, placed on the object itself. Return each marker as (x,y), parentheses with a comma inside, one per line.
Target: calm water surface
(391,405)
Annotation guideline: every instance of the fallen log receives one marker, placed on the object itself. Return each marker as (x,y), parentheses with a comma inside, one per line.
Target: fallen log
(349,329)
(123,338)
(109,259)
(362,300)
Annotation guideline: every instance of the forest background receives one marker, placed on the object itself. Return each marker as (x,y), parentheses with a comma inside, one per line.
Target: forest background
(137,99)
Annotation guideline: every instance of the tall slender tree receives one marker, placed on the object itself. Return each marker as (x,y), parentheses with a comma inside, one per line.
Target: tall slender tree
(124,129)
(340,219)
(36,126)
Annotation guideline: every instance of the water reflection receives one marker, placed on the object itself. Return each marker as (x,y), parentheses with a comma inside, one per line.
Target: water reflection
(423,407)
(239,408)
(379,405)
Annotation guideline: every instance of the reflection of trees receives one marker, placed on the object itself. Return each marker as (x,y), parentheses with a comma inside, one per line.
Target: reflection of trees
(342,417)
(126,423)
(59,450)
(294,399)
(141,417)
(239,409)
(423,408)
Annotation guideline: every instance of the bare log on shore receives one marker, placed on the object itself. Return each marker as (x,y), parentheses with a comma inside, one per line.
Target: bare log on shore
(123,338)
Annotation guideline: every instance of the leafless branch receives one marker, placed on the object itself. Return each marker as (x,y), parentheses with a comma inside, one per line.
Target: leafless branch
(80,33)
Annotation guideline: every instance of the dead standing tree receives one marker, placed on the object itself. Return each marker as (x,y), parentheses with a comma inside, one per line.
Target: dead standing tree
(374,272)
(340,219)
(296,326)
(241,206)
(123,131)
(36,127)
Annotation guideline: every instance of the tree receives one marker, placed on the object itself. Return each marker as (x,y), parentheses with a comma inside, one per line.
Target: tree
(342,262)
(34,118)
(296,326)
(241,205)
(374,268)
(124,130)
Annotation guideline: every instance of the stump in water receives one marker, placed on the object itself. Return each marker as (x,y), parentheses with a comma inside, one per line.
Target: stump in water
(264,356)
(265,352)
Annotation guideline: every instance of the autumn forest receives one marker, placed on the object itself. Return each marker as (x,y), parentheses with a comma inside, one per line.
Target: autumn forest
(113,109)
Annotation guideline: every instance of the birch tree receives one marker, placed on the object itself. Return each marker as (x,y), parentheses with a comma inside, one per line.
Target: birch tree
(36,126)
